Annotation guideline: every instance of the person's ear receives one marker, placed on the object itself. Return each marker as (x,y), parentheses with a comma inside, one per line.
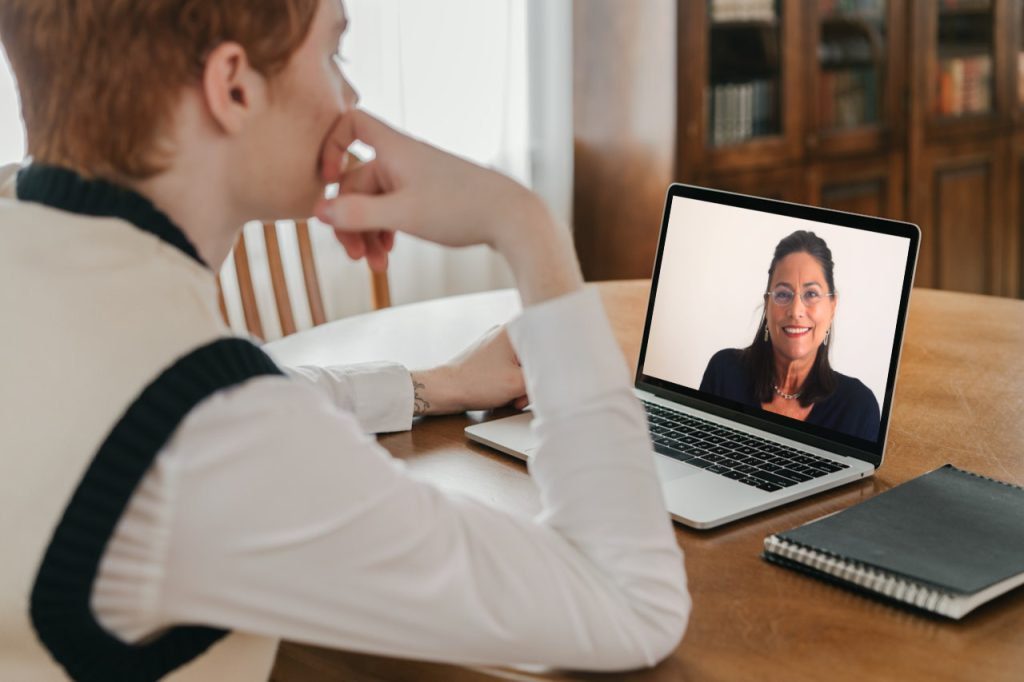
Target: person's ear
(233,90)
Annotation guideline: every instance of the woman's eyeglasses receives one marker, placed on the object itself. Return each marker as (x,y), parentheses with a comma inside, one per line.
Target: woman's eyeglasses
(810,297)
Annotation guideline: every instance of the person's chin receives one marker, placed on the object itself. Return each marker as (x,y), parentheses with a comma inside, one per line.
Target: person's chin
(795,352)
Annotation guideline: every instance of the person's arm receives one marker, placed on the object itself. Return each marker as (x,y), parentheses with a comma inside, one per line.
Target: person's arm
(288,521)
(385,396)
(270,512)
(379,394)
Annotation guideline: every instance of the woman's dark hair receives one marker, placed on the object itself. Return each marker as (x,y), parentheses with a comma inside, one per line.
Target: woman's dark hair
(758,358)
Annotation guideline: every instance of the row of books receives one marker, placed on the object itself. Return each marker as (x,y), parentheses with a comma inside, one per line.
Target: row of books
(848,98)
(723,11)
(858,7)
(965,86)
(856,49)
(965,4)
(741,111)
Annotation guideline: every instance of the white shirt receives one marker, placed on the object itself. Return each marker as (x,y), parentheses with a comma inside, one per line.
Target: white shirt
(272,512)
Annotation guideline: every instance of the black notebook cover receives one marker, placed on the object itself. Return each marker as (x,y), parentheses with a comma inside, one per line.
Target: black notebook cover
(949,528)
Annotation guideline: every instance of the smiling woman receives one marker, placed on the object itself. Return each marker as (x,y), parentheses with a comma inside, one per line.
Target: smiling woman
(786,369)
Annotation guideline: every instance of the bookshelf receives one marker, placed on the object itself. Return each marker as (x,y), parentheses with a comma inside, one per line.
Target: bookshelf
(910,109)
(961,146)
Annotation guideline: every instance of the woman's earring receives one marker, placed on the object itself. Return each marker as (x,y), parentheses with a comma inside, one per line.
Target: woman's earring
(827,333)
(766,330)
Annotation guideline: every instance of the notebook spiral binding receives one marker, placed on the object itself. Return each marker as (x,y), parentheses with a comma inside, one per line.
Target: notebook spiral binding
(987,478)
(888,584)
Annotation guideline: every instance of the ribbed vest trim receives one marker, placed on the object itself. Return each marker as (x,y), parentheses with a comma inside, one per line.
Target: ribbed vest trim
(60,610)
(65,190)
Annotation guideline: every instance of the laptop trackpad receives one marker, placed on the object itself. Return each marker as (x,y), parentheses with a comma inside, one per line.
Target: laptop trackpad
(669,469)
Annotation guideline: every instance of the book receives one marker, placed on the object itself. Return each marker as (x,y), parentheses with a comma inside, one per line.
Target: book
(945,542)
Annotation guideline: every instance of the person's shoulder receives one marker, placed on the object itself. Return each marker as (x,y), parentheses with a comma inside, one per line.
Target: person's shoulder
(727,358)
(854,390)
(724,369)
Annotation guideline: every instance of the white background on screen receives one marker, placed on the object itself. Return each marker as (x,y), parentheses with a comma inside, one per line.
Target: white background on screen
(715,270)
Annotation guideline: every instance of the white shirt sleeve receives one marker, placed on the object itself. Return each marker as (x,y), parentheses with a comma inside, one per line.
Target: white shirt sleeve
(271,512)
(378,394)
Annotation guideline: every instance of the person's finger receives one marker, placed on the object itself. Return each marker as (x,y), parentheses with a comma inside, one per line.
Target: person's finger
(387,240)
(353,242)
(361,213)
(376,255)
(371,130)
(334,154)
(521,402)
(361,179)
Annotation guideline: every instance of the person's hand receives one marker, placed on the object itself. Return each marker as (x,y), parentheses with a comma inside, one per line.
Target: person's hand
(425,192)
(484,376)
(416,188)
(373,245)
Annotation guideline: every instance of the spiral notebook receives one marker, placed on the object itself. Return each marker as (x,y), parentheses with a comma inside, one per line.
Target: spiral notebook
(945,542)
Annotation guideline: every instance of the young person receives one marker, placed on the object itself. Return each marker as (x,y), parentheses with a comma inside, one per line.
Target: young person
(171,502)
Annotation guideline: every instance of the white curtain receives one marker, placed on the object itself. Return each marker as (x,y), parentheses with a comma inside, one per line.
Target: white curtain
(12,130)
(488,80)
(452,72)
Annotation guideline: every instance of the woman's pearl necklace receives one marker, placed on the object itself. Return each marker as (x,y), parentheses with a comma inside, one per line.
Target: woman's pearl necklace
(786,396)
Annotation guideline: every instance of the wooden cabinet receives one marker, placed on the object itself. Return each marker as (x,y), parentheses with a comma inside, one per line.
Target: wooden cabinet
(908,109)
(960,193)
(963,112)
(871,185)
(835,135)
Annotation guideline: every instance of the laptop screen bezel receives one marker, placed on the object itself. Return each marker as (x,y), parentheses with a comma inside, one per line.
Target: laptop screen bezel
(786,427)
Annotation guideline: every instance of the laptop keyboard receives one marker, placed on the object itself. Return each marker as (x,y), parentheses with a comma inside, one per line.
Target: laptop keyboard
(753,461)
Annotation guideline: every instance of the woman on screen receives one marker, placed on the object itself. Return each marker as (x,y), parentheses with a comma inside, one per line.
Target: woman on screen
(786,369)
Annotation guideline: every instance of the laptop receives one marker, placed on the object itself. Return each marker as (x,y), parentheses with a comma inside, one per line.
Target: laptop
(729,441)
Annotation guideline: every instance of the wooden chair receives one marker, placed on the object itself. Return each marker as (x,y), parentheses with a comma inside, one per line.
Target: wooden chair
(379,286)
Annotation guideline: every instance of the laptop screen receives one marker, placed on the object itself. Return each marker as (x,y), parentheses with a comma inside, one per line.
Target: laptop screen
(788,315)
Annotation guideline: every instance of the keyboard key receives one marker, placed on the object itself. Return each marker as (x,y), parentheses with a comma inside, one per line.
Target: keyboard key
(674,453)
(793,475)
(734,475)
(768,487)
(831,466)
(699,462)
(716,469)
(774,479)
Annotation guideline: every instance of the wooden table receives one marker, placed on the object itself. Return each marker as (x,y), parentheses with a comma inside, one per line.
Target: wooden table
(959,399)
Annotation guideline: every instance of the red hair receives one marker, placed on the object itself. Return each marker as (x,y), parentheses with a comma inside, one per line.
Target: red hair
(99,78)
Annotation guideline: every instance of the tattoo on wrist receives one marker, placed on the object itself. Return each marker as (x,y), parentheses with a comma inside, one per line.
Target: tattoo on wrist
(419,403)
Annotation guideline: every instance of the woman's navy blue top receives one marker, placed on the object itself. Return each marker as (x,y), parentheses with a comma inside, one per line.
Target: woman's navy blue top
(851,409)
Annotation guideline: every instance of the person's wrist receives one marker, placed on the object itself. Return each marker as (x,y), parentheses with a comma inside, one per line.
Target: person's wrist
(432,392)
(538,250)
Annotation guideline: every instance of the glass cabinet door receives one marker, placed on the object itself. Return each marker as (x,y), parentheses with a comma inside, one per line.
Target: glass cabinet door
(851,63)
(744,71)
(1018,63)
(965,47)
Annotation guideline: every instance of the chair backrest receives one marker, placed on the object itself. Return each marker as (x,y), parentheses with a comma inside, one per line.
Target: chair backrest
(380,290)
